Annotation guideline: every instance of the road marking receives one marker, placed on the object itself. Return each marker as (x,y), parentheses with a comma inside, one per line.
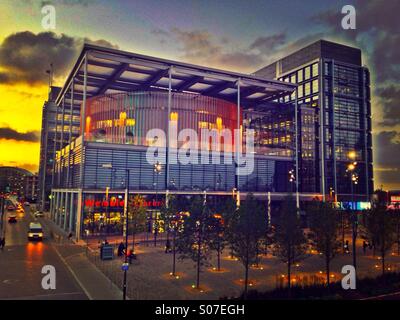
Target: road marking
(45,295)
(73,273)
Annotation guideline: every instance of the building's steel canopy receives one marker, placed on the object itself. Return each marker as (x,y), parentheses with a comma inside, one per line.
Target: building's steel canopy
(111,71)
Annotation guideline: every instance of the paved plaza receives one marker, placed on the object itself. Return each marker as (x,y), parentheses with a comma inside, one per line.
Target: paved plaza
(149,276)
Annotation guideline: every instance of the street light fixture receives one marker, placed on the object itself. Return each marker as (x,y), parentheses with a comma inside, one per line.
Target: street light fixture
(353,181)
(157,171)
(126,227)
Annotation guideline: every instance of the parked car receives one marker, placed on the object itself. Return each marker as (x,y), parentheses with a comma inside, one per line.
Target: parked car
(12,218)
(39,214)
(10,208)
(35,231)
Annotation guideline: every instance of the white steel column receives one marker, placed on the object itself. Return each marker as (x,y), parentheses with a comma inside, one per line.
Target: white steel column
(51,205)
(321,127)
(71,114)
(237,143)
(79,209)
(168,131)
(83,121)
(71,211)
(66,210)
(296,120)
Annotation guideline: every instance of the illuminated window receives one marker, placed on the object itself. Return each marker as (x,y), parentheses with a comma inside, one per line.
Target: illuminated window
(300,91)
(315,86)
(307,89)
(300,76)
(307,73)
(315,69)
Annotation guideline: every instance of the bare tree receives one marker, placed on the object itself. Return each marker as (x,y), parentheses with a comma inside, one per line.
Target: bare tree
(381,229)
(325,224)
(290,244)
(247,228)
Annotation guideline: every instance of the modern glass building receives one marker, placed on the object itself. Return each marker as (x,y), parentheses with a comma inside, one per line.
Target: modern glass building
(310,114)
(335,87)
(122,96)
(57,129)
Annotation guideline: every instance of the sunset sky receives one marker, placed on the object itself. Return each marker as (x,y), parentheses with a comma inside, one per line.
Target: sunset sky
(236,35)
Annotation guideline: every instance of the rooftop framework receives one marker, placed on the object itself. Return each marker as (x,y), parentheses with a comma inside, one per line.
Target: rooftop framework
(100,70)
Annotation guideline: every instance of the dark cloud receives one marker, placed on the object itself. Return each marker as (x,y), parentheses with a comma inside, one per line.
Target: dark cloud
(84,3)
(11,134)
(269,43)
(26,56)
(199,46)
(386,160)
(377,34)
(389,97)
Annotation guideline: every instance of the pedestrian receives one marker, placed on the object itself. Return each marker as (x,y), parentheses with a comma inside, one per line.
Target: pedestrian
(346,246)
(131,256)
(2,243)
(168,246)
(70,236)
(365,247)
(121,248)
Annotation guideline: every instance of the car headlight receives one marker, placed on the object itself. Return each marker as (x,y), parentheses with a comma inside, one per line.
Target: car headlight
(30,234)
(40,235)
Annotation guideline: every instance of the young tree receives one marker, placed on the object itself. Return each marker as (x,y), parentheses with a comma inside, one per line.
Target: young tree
(247,228)
(228,212)
(137,217)
(195,238)
(290,244)
(167,213)
(325,224)
(218,241)
(381,229)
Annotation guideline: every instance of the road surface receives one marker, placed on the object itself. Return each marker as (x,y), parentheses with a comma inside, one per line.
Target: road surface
(21,264)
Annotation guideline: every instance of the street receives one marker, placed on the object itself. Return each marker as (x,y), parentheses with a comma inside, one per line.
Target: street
(21,263)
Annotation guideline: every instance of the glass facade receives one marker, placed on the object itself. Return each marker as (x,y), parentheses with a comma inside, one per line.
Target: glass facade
(339,130)
(269,174)
(126,118)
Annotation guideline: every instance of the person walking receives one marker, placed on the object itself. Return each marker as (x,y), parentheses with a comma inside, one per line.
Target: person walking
(121,248)
(2,243)
(168,246)
(365,245)
(346,246)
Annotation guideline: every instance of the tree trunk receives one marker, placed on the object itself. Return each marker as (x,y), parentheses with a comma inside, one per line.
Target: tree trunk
(219,257)
(174,256)
(398,239)
(289,265)
(133,242)
(198,264)
(383,262)
(327,271)
(155,235)
(246,278)
(289,274)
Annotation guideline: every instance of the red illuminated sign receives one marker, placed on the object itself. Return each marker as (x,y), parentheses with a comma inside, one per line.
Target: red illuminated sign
(113,203)
(394,198)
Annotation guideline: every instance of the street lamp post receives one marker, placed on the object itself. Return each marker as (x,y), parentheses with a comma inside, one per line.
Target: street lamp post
(157,171)
(353,180)
(126,226)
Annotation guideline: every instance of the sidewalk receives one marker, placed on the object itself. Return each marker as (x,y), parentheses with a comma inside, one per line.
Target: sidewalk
(92,281)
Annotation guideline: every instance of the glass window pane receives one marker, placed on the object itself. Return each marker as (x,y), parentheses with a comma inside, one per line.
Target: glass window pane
(300,75)
(307,73)
(307,89)
(315,87)
(300,91)
(315,70)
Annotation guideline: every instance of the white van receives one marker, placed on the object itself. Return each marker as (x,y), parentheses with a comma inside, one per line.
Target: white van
(35,231)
